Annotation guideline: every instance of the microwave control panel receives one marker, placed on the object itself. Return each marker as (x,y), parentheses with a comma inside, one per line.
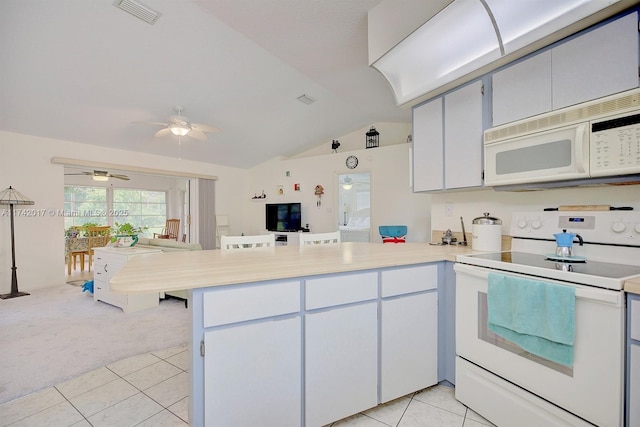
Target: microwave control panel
(615,145)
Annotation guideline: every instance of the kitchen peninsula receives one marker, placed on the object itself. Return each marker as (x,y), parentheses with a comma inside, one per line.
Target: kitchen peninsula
(308,335)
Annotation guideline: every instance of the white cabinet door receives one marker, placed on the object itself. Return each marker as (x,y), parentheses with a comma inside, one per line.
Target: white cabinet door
(252,375)
(598,63)
(428,151)
(341,363)
(522,90)
(633,376)
(409,345)
(463,137)
(634,386)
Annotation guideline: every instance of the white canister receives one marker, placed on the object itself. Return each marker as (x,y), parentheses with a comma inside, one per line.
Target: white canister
(486,234)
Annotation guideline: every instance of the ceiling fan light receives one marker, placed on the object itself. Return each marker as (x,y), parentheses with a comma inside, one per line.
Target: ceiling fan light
(178,130)
(100,178)
(347,183)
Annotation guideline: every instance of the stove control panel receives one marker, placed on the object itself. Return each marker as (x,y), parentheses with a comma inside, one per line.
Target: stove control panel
(609,227)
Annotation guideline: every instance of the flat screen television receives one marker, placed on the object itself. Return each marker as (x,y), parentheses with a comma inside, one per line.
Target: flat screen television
(283,217)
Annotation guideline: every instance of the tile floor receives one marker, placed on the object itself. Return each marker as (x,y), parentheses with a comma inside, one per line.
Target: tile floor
(151,390)
(146,390)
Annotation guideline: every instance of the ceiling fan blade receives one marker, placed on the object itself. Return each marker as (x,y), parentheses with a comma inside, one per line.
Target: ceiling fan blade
(118,176)
(196,134)
(163,132)
(204,128)
(152,123)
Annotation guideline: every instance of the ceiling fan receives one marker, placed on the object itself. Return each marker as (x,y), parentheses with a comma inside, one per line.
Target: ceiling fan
(101,175)
(180,125)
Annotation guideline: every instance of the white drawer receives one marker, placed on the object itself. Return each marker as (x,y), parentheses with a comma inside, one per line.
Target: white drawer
(223,306)
(635,319)
(412,279)
(344,289)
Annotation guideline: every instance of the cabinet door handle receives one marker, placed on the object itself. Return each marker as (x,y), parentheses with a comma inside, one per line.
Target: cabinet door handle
(105,268)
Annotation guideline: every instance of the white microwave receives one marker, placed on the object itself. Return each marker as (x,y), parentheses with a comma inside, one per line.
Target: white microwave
(590,140)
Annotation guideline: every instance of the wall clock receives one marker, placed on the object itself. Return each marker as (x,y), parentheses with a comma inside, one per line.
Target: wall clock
(352,162)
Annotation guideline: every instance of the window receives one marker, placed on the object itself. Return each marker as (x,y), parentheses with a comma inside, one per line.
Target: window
(141,208)
(107,206)
(84,205)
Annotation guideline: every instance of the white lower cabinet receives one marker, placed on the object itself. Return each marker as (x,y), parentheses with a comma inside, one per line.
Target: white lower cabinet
(408,331)
(253,355)
(314,350)
(253,374)
(341,363)
(409,356)
(107,262)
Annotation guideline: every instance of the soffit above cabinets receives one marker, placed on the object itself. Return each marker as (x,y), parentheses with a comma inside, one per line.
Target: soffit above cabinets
(464,39)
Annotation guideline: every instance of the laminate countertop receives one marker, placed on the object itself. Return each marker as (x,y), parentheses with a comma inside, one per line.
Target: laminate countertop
(170,271)
(632,286)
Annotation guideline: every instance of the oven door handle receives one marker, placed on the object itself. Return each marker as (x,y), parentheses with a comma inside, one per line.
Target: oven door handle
(605,296)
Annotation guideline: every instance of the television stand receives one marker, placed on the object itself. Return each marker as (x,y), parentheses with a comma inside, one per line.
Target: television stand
(284,238)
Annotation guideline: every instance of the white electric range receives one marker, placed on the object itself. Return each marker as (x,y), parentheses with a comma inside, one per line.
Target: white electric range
(510,386)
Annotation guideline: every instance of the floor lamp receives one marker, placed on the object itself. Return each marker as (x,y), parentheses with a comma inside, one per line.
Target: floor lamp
(12,197)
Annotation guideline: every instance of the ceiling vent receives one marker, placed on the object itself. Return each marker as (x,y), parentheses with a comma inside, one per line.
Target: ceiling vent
(306,99)
(138,10)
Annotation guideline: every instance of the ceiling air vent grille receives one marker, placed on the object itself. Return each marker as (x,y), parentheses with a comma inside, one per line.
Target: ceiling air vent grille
(306,99)
(138,10)
(608,106)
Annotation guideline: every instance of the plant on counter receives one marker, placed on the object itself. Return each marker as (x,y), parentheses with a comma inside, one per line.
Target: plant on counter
(127,229)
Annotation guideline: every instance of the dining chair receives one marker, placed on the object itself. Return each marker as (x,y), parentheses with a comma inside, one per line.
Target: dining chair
(229,243)
(393,233)
(171,230)
(307,239)
(74,255)
(97,237)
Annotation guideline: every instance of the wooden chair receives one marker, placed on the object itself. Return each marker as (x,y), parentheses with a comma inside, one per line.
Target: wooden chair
(171,230)
(229,243)
(97,237)
(73,256)
(319,239)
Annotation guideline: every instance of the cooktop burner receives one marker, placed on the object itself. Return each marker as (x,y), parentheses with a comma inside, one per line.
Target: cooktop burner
(592,268)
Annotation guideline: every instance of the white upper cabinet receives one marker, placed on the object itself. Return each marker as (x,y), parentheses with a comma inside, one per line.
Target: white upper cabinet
(428,149)
(463,137)
(447,141)
(598,63)
(522,90)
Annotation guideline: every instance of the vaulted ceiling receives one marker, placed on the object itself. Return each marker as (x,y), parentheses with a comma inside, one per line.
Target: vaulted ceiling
(88,72)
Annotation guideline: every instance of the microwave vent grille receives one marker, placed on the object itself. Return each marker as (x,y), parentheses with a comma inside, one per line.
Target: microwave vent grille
(588,111)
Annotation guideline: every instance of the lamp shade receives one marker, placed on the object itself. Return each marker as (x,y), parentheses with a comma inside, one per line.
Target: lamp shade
(11,196)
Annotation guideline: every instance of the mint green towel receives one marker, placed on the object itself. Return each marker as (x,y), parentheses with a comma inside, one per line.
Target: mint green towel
(538,316)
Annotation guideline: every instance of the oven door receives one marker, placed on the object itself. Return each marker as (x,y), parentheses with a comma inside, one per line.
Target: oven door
(555,155)
(592,389)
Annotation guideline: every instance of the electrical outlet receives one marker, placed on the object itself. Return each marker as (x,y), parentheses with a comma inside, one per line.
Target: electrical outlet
(448,209)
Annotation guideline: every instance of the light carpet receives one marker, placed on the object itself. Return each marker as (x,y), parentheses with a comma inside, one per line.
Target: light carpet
(58,333)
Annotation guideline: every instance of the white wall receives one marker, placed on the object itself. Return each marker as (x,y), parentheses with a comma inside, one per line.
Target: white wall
(392,200)
(472,204)
(25,163)
(390,134)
